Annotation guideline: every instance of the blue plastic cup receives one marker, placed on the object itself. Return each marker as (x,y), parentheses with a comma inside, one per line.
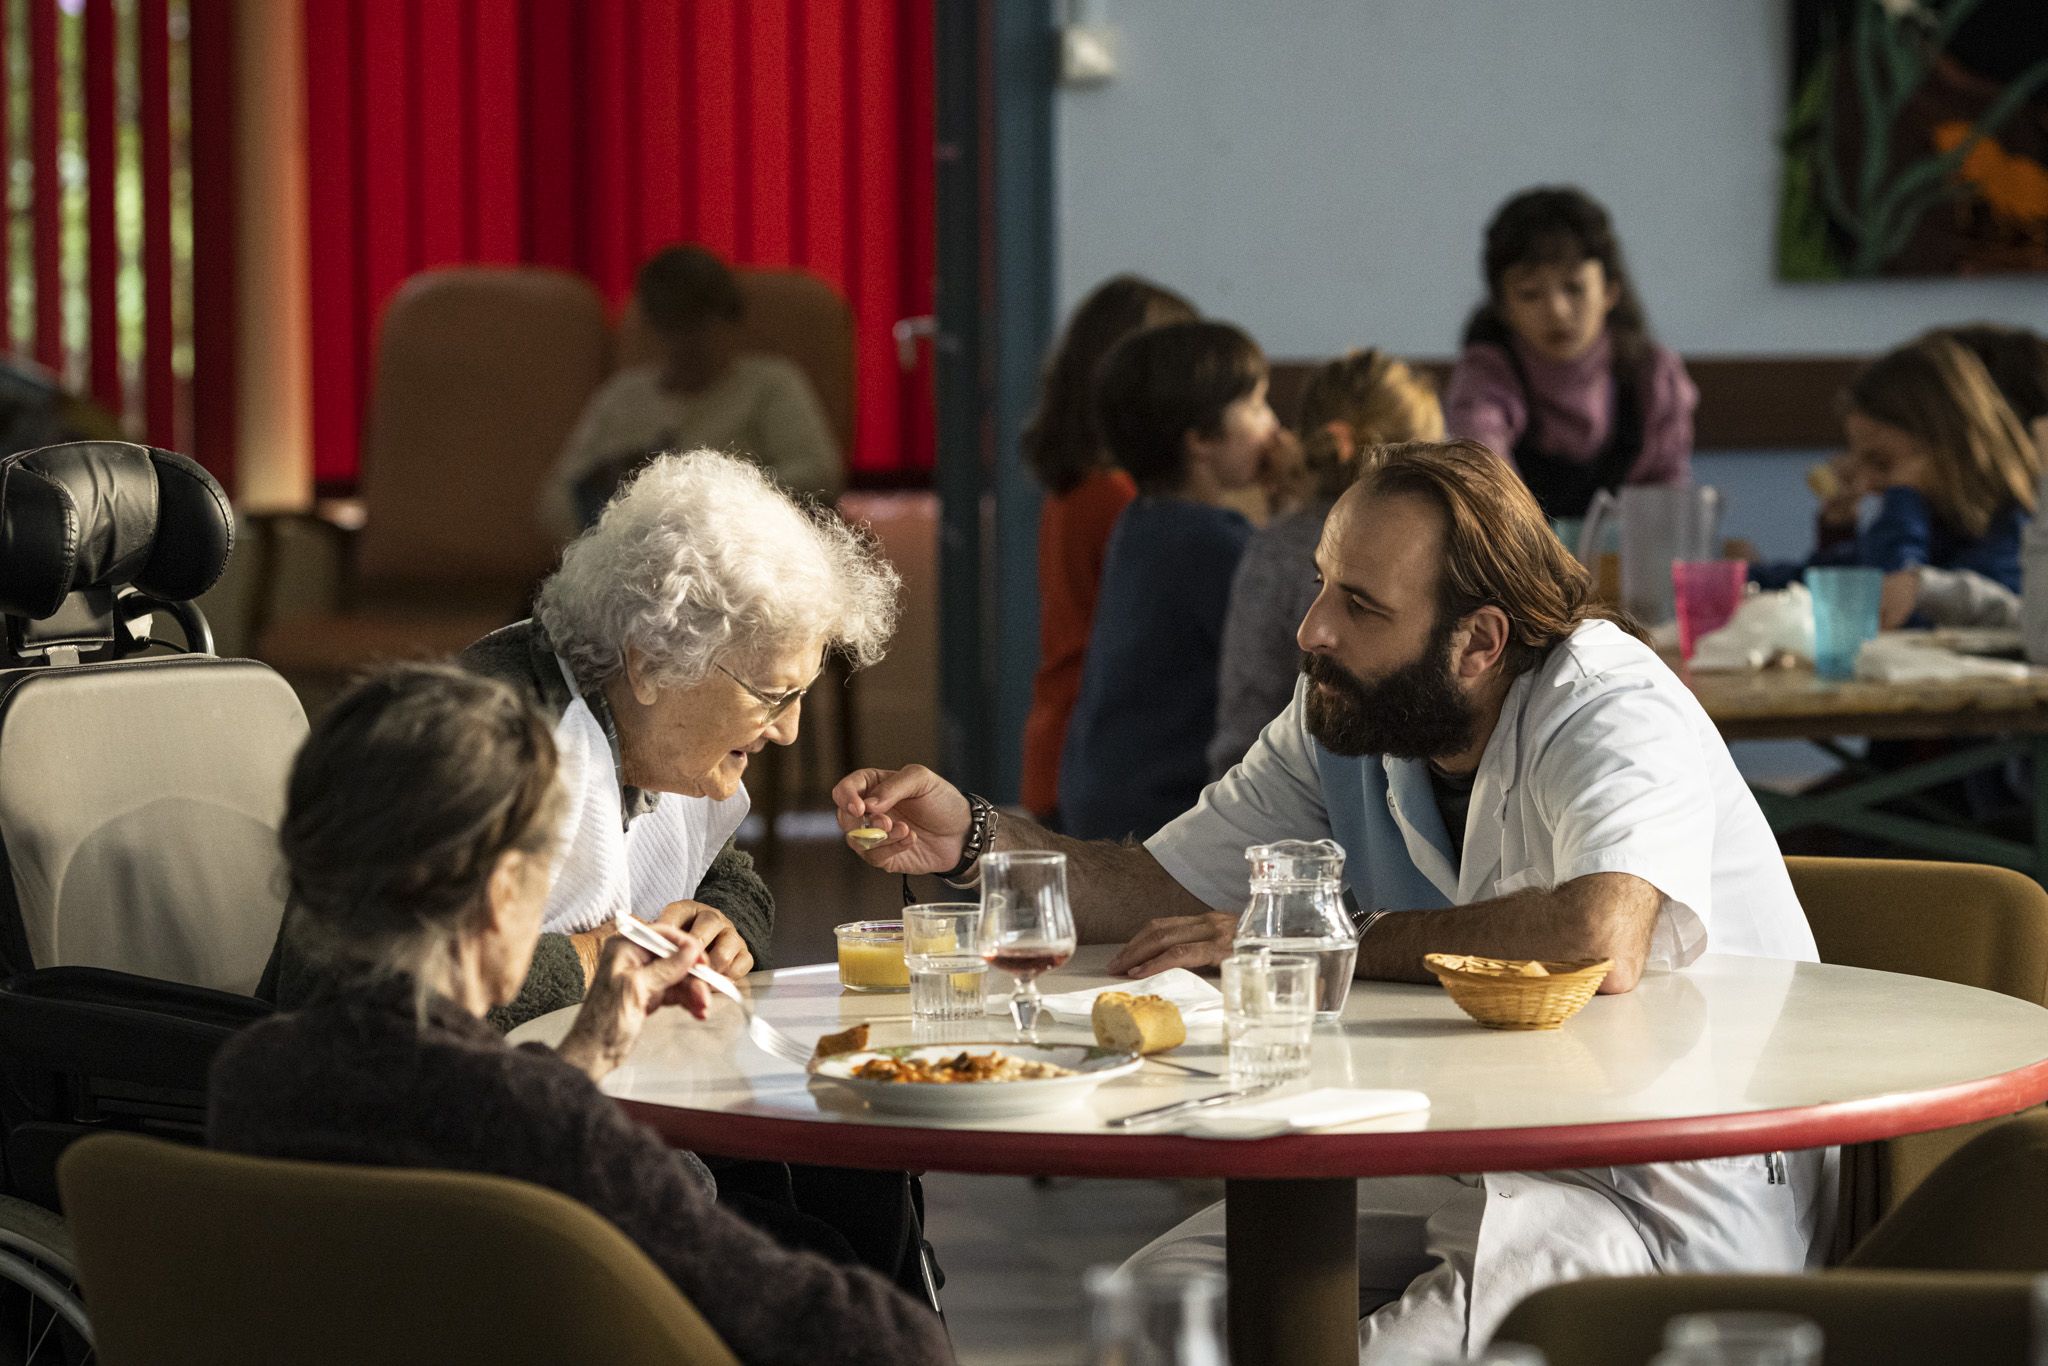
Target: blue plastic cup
(1845,603)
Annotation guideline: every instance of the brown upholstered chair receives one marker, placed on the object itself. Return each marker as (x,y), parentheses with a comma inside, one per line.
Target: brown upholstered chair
(1958,922)
(1984,1209)
(195,1258)
(481,374)
(1867,1318)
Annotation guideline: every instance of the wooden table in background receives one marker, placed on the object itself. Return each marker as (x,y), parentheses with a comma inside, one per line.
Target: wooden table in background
(2009,716)
(1731,1056)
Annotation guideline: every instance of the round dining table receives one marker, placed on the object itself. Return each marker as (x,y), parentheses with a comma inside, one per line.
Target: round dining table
(1730,1056)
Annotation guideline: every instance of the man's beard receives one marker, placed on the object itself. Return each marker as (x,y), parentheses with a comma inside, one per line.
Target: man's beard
(1414,712)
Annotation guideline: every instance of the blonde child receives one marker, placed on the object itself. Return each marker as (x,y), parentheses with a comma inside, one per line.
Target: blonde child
(1358,401)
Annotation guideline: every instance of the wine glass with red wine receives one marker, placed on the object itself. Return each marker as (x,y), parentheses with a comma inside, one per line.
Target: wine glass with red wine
(1027,928)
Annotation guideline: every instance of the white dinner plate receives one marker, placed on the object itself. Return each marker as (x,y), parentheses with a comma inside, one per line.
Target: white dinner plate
(981,1099)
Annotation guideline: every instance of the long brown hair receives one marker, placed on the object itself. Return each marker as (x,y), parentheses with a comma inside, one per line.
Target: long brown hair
(1499,550)
(1937,391)
(1061,442)
(1374,395)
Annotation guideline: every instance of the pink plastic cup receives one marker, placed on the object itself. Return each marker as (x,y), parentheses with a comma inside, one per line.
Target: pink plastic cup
(1707,593)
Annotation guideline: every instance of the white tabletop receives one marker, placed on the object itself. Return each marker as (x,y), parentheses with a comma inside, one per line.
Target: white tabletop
(1730,1055)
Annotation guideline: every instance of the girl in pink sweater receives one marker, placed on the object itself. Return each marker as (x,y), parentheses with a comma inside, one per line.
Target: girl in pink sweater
(1559,374)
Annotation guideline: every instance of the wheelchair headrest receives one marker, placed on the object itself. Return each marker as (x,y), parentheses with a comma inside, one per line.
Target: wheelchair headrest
(106,514)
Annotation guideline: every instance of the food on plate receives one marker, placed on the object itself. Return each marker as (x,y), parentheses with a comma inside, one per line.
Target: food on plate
(1137,1024)
(867,837)
(961,1067)
(845,1041)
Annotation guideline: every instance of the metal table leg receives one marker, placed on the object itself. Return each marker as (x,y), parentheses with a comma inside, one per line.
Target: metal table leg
(1292,1254)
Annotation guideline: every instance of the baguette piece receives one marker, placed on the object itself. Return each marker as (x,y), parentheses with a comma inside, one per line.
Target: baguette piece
(1140,1024)
(832,1045)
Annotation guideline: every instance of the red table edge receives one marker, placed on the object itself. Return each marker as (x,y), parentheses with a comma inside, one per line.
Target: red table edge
(1337,1155)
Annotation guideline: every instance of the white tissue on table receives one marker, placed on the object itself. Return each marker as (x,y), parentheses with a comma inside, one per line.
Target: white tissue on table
(1915,657)
(1191,994)
(1765,625)
(1321,1109)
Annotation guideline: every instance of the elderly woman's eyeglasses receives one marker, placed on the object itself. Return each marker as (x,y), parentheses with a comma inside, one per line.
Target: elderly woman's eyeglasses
(774,703)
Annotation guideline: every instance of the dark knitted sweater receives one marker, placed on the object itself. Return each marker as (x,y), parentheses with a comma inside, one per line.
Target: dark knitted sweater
(354,1078)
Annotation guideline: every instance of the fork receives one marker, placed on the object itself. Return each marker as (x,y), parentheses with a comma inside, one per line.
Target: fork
(766,1036)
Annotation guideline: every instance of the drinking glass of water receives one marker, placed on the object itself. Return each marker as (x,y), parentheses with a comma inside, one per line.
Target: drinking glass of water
(1154,1316)
(1269,1008)
(942,944)
(1027,927)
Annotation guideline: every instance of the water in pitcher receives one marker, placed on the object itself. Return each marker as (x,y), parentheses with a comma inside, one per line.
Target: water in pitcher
(1297,906)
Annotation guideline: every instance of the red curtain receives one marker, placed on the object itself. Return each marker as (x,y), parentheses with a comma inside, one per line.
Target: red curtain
(586,134)
(74,313)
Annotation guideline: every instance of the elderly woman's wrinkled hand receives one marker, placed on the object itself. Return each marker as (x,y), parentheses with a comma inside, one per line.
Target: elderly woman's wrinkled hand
(923,818)
(630,985)
(723,947)
(1176,941)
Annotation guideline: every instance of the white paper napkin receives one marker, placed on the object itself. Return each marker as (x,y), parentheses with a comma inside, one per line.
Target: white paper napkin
(1304,1110)
(1197,999)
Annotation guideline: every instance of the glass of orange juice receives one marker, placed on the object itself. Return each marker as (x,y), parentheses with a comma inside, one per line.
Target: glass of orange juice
(871,956)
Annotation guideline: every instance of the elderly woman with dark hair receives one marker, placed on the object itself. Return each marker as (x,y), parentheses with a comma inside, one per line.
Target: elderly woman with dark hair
(419,834)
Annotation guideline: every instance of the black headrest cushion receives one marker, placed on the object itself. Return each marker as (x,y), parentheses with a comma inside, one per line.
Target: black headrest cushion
(100,514)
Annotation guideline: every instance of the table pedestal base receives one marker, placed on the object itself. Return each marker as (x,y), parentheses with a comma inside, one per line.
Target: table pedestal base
(1292,1250)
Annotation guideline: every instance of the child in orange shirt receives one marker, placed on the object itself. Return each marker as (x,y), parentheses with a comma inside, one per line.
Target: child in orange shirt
(1085,493)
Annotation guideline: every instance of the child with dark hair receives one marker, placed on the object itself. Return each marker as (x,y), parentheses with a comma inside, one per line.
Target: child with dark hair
(1560,375)
(1183,409)
(1085,494)
(706,392)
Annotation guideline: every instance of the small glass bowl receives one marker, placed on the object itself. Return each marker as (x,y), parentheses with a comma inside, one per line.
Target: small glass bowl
(871,956)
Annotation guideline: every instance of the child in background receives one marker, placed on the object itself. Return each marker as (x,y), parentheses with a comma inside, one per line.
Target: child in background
(1358,401)
(2016,359)
(1956,475)
(1559,374)
(1183,409)
(1085,492)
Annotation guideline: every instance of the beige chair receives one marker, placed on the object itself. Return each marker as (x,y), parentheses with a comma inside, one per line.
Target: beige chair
(481,373)
(1867,1318)
(1957,922)
(194,1258)
(1984,1209)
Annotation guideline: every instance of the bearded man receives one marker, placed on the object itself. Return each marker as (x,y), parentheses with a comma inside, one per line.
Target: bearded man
(1511,771)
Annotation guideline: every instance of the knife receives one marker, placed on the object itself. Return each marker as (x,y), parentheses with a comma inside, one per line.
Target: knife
(1181,1107)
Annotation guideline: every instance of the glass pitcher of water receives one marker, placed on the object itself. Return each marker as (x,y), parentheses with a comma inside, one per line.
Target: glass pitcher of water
(1297,906)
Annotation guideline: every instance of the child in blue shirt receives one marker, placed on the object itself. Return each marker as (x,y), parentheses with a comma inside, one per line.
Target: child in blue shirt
(1183,409)
(1955,474)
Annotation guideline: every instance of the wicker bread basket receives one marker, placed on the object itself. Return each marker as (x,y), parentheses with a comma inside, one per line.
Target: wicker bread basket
(1498,993)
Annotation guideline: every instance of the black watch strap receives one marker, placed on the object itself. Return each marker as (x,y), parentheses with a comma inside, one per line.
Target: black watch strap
(981,833)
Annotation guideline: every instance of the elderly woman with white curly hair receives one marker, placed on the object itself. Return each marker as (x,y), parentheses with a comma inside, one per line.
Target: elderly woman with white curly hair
(676,641)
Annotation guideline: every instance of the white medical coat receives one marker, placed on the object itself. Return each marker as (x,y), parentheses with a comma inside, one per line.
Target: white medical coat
(1602,761)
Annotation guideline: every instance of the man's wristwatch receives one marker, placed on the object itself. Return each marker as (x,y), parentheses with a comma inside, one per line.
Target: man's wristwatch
(981,834)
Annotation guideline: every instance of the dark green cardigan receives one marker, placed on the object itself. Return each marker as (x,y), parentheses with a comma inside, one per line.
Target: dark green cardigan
(521,655)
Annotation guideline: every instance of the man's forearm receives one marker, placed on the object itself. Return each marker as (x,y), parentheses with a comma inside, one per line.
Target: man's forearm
(1115,888)
(1605,915)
